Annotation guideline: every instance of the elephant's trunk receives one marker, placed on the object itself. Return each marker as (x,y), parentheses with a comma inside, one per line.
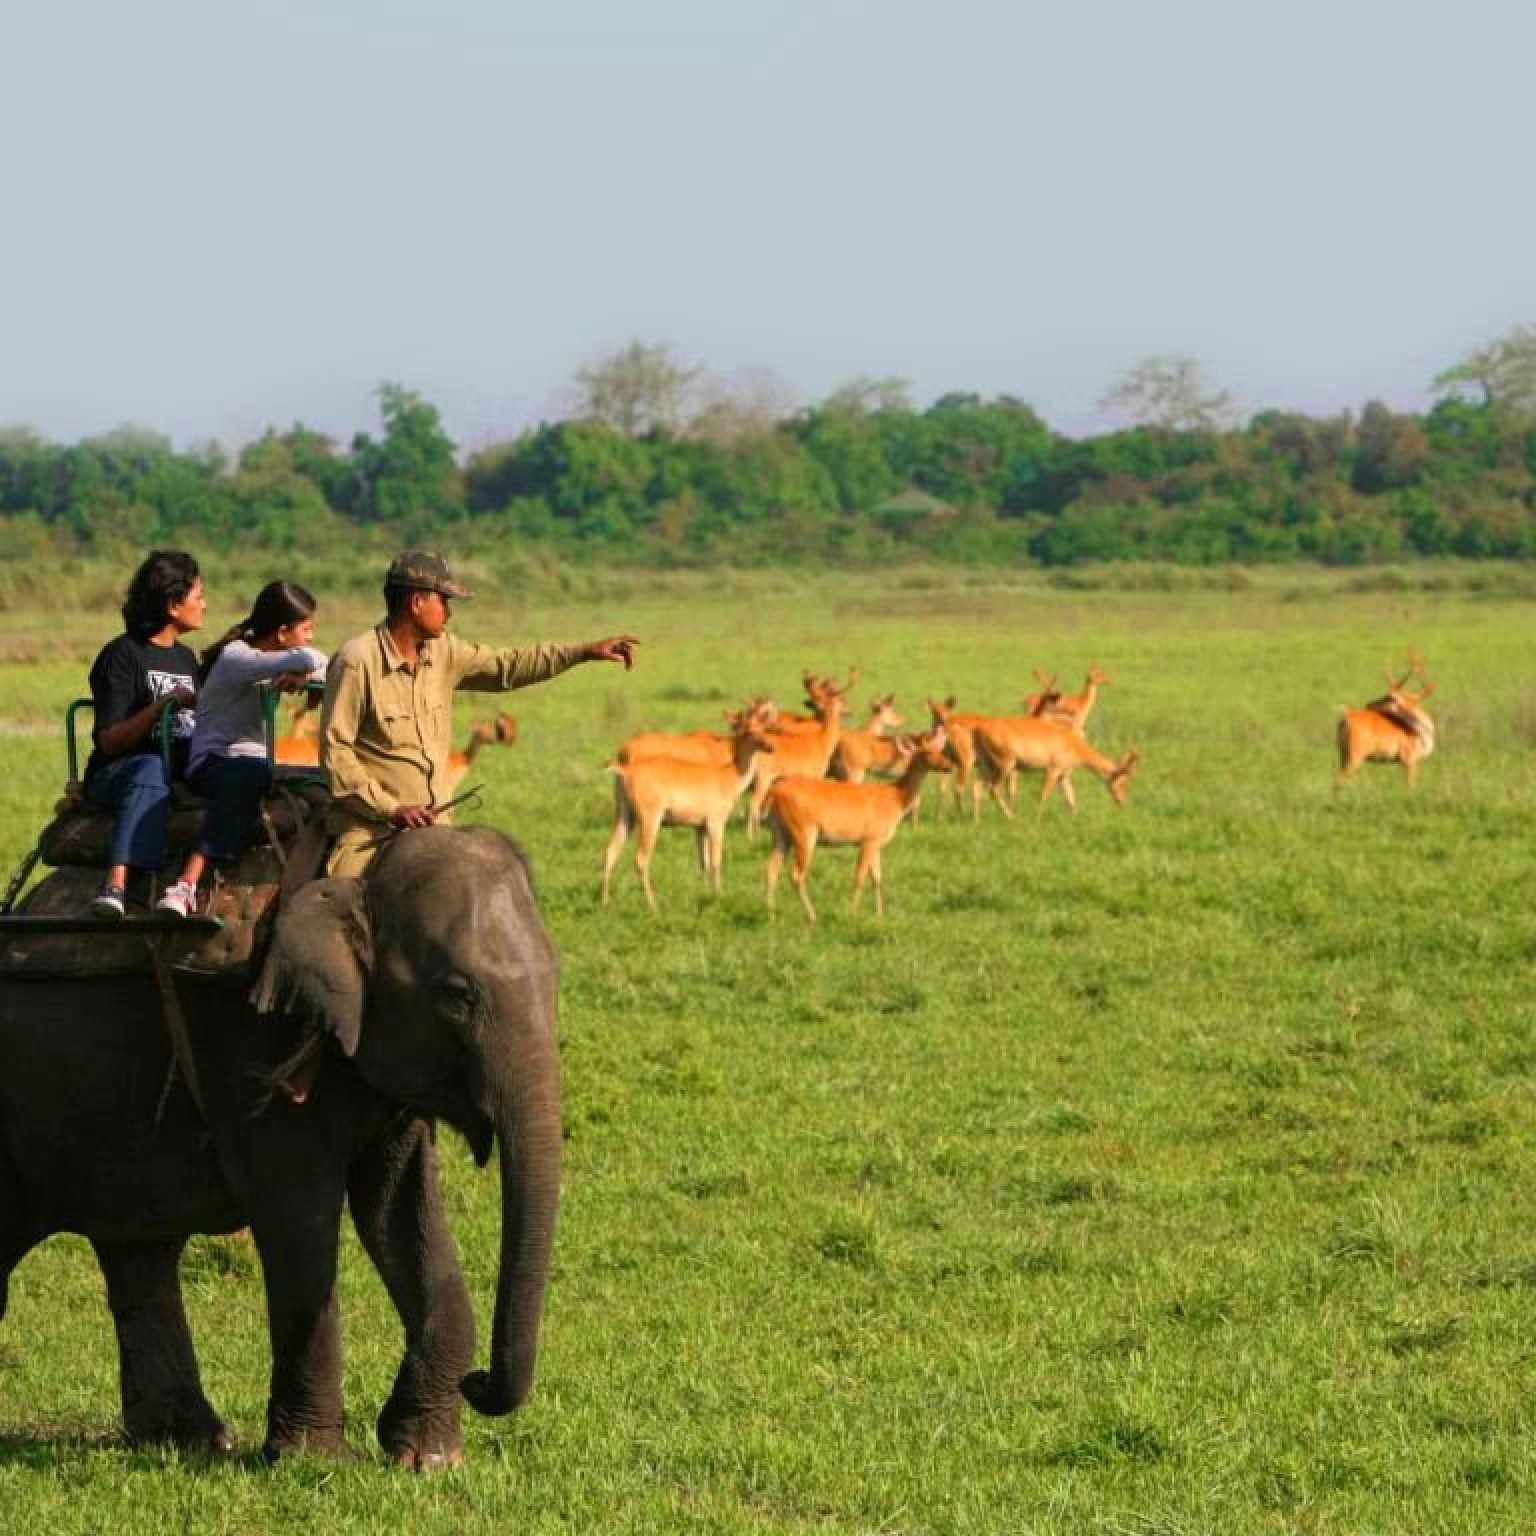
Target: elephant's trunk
(528,1133)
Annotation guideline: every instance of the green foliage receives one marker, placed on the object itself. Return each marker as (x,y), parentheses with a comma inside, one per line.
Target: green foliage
(409,478)
(859,478)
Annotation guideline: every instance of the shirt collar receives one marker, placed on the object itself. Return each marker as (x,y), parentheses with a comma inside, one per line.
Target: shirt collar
(393,660)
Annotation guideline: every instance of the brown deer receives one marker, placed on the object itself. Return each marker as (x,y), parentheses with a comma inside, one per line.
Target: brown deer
(1395,728)
(807,754)
(664,791)
(1007,744)
(960,732)
(870,750)
(817,691)
(498,732)
(1071,708)
(803,812)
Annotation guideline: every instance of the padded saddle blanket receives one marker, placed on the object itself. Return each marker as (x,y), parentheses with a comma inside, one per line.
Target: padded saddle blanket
(81,833)
(244,900)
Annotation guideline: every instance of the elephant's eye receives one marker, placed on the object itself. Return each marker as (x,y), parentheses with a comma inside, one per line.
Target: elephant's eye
(456,996)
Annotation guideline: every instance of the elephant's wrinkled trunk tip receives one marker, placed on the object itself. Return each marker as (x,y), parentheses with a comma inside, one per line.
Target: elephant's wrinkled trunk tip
(492,1397)
(529,1141)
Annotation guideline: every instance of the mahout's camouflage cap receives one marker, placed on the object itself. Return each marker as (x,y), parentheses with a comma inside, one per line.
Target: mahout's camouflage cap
(425,570)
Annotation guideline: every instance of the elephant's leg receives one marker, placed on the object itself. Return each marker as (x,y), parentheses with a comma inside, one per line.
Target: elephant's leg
(162,1392)
(14,1242)
(399,1215)
(297,1226)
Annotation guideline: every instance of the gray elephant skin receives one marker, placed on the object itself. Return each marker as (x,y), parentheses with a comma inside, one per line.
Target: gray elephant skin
(428,986)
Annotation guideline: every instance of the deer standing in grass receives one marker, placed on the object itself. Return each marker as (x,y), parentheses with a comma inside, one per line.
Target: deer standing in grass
(666,791)
(1007,744)
(870,750)
(498,732)
(803,812)
(960,731)
(1069,708)
(807,754)
(1393,729)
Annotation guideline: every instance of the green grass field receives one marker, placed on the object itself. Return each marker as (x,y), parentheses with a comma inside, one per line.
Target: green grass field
(1164,1170)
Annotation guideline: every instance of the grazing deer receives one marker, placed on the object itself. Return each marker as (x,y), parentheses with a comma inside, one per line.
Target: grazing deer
(666,791)
(1393,729)
(806,755)
(870,750)
(1007,744)
(802,812)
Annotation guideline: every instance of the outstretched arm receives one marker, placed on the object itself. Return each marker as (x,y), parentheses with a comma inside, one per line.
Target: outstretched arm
(484,668)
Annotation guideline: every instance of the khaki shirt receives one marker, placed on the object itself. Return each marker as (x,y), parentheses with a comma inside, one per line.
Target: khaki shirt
(386,728)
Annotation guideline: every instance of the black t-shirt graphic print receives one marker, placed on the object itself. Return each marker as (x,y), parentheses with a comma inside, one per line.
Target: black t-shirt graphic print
(127,675)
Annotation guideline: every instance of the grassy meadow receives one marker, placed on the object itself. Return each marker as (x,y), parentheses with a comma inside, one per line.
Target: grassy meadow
(1155,1171)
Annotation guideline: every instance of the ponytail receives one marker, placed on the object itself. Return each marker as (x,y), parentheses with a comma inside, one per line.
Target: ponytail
(241,631)
(277,604)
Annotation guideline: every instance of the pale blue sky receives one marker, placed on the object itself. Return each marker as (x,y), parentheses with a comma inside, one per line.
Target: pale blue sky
(219,216)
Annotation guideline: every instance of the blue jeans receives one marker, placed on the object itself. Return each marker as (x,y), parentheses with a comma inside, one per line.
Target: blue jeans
(137,789)
(236,786)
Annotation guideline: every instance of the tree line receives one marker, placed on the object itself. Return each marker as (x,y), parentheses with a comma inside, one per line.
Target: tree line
(655,465)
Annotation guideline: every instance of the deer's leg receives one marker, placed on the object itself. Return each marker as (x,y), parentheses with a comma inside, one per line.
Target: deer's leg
(616,841)
(868,868)
(761,784)
(645,846)
(1052,779)
(714,850)
(800,874)
(1067,792)
(775,862)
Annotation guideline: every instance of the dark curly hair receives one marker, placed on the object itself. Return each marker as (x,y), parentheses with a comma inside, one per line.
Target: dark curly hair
(165,577)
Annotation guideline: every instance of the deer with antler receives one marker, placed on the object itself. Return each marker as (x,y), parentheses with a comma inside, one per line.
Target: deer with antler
(1395,728)
(1070,708)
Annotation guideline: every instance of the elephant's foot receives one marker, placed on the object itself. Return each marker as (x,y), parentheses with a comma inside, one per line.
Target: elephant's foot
(193,1428)
(312,1433)
(421,1441)
(309,1442)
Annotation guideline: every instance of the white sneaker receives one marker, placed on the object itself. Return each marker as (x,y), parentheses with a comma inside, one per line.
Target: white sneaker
(180,899)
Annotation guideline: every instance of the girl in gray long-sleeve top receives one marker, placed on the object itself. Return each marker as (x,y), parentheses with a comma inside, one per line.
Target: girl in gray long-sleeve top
(228,763)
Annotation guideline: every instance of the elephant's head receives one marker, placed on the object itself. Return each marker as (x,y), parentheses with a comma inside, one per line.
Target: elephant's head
(434,973)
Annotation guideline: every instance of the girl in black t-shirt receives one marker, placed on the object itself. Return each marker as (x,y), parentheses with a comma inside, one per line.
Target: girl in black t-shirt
(131,680)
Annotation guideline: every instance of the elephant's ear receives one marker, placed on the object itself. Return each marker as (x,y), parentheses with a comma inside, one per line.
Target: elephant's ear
(318,963)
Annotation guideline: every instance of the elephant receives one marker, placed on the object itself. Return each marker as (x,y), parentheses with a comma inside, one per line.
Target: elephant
(423,991)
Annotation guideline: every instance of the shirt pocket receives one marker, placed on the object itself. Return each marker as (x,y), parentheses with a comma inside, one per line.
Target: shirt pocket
(399,728)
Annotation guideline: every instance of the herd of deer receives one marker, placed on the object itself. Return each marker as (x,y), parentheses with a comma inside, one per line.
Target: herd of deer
(805,777)
(811,780)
